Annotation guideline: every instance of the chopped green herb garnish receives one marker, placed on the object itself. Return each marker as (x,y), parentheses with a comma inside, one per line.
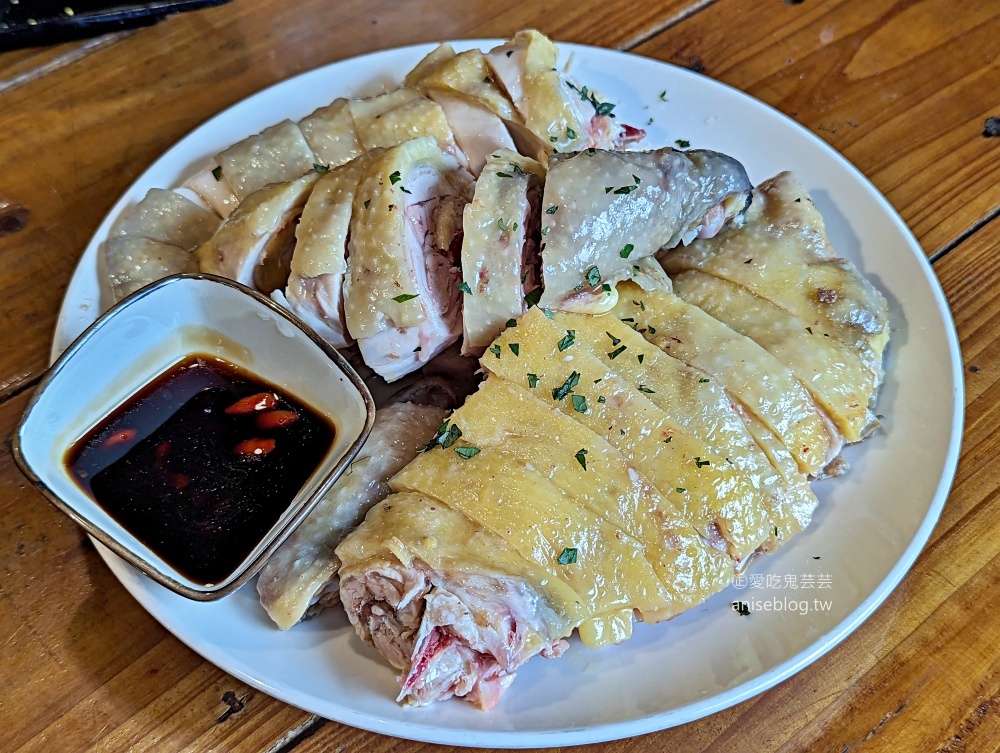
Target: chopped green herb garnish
(640,357)
(652,329)
(417,349)
(567,387)
(545,230)
(567,341)
(504,175)
(809,330)
(511,323)
(644,388)
(495,350)
(667,440)
(467,452)
(321,169)
(609,189)
(450,436)
(553,139)
(515,348)
(681,490)
(604,108)
(591,152)
(626,250)
(593,276)
(606,288)
(617,352)
(683,143)
(532,298)
(568,556)
(579,403)
(464,287)
(703,381)
(394,178)
(549,314)
(614,340)
(581,458)
(405,297)
(516,169)
(699,462)
(509,53)
(552,209)
(570,133)
(217,173)
(663,95)
(625,189)
(532,380)
(368,203)
(601,399)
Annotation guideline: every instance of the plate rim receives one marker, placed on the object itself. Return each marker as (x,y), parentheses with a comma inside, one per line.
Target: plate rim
(514,739)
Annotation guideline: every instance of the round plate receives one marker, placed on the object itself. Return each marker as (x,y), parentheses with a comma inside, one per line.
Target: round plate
(867,531)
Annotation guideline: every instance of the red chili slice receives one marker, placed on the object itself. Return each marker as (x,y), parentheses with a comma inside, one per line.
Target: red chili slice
(276,419)
(252,403)
(122,436)
(162,450)
(255,448)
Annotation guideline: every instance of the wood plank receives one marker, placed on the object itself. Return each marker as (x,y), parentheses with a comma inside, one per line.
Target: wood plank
(922,673)
(83,664)
(18,67)
(901,87)
(76,138)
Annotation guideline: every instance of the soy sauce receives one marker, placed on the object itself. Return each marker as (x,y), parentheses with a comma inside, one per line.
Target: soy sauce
(201,463)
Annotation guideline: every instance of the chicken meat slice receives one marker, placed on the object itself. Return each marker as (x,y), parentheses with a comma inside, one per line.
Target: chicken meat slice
(316,281)
(449,603)
(398,116)
(781,253)
(299,578)
(278,154)
(500,246)
(478,131)
(254,244)
(464,75)
(843,382)
(402,300)
(762,383)
(604,211)
(155,239)
(719,499)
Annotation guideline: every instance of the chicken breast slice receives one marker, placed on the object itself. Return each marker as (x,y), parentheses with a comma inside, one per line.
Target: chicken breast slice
(299,578)
(716,497)
(465,75)
(398,116)
(449,603)
(254,244)
(500,246)
(842,382)
(478,131)
(278,154)
(781,253)
(606,210)
(402,300)
(133,263)
(766,387)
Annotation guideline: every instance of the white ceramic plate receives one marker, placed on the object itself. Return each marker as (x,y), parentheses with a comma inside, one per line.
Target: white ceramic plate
(867,532)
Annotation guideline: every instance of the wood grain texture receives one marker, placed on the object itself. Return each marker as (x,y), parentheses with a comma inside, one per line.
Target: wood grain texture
(73,140)
(901,87)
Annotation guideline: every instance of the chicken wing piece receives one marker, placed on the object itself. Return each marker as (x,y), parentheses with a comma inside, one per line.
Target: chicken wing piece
(842,382)
(402,301)
(298,579)
(606,210)
(254,244)
(766,387)
(331,134)
(278,154)
(448,602)
(500,246)
(781,253)
(315,286)
(716,497)
(154,239)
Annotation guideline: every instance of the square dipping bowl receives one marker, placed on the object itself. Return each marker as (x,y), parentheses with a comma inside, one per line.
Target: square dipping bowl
(143,337)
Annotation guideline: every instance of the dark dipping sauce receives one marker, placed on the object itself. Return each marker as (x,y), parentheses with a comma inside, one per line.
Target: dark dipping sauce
(201,463)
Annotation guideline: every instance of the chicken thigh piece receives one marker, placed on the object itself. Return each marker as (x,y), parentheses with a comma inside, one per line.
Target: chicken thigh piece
(606,210)
(500,246)
(402,300)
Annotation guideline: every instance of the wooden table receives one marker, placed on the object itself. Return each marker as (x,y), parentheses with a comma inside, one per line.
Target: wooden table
(901,87)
